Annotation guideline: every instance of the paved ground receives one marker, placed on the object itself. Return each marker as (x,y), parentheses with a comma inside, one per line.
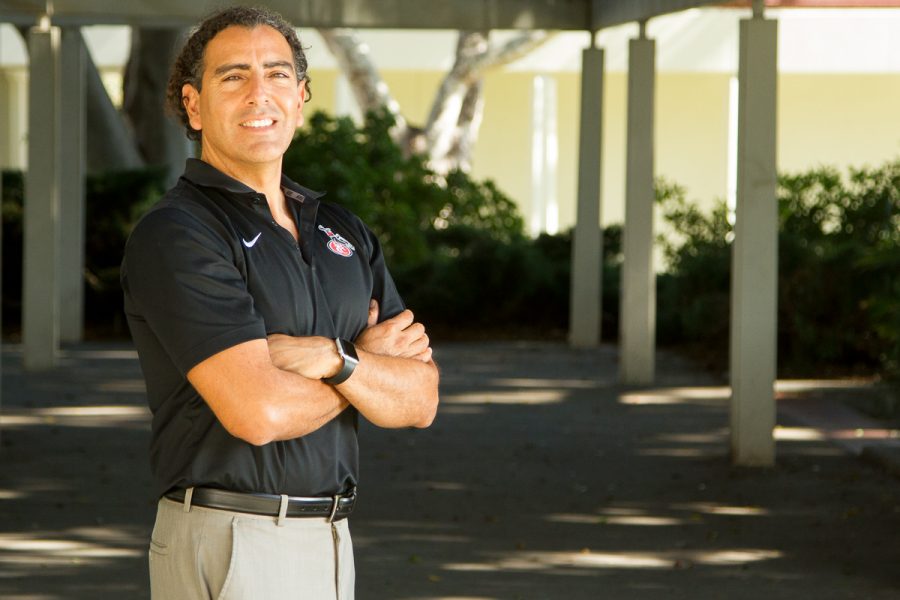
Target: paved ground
(542,478)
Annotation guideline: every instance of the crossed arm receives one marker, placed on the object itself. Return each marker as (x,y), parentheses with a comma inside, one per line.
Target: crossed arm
(263,391)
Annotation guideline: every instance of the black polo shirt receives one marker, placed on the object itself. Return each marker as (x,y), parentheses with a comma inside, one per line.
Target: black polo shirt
(208,268)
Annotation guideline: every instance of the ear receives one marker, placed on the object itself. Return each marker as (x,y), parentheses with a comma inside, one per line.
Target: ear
(301,101)
(190,97)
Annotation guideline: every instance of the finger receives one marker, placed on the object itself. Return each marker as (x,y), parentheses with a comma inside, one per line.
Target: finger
(373,312)
(414,330)
(403,320)
(417,346)
(424,356)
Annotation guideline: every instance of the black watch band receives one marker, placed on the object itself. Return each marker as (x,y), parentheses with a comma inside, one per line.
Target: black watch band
(348,353)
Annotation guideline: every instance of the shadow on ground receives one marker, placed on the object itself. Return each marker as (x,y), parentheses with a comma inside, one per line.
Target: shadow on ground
(542,478)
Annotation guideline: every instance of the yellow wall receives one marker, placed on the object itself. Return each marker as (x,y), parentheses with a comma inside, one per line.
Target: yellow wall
(503,152)
(692,133)
(322,86)
(568,89)
(414,92)
(838,120)
(692,145)
(691,123)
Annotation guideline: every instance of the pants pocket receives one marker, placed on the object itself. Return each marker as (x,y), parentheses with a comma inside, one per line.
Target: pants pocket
(158,547)
(161,537)
(232,562)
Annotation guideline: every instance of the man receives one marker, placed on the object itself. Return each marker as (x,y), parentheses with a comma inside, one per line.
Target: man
(243,292)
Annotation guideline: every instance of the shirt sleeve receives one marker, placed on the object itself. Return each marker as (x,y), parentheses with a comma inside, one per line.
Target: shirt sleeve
(181,279)
(390,304)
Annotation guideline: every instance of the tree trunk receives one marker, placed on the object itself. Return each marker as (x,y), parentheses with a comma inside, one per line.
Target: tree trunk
(160,139)
(369,89)
(467,128)
(450,133)
(442,128)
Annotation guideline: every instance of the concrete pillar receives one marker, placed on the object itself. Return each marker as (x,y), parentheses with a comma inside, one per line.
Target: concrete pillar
(755,251)
(40,294)
(544,211)
(638,299)
(71,195)
(585,288)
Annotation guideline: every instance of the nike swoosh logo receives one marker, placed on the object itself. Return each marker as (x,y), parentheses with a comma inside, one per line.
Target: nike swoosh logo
(251,242)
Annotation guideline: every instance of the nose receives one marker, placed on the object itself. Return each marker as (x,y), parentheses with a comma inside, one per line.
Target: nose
(257,93)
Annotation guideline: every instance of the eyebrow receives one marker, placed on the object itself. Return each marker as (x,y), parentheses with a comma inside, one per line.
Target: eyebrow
(246,67)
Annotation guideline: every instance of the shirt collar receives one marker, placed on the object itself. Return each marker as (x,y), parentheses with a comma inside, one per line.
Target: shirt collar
(202,173)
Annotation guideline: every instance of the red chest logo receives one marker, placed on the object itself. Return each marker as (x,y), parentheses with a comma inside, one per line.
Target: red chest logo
(337,243)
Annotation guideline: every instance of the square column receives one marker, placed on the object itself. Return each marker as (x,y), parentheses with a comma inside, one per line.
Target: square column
(544,212)
(754,283)
(72,169)
(40,293)
(638,299)
(587,250)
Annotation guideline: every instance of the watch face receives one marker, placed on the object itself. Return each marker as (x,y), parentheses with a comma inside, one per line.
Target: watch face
(348,350)
(348,354)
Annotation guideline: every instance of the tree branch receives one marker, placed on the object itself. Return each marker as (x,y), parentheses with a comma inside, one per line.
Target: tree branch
(444,133)
(369,89)
(467,127)
(455,117)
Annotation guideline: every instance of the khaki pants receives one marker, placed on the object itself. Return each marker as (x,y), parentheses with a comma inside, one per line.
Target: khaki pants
(207,554)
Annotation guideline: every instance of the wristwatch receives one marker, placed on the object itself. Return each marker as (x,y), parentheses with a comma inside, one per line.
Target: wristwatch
(347,352)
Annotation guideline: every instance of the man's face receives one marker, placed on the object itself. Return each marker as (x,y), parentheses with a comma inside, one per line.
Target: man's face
(251,101)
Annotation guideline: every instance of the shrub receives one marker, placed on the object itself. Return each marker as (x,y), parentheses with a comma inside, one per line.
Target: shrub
(840,249)
(839,253)
(396,195)
(455,246)
(693,294)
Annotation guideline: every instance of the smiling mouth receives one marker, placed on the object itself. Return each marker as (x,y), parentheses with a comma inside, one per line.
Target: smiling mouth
(258,123)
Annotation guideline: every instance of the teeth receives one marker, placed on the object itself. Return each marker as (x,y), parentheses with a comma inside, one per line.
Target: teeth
(259,123)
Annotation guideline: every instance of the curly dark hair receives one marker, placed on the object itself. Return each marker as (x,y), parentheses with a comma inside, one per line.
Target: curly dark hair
(188,66)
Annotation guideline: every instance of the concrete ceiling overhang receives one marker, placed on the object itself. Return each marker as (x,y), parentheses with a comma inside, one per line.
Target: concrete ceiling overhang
(585,15)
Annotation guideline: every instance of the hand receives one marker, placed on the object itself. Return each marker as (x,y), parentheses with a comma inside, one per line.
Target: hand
(313,357)
(398,336)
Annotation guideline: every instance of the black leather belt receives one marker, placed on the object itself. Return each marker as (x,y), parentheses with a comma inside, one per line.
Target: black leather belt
(333,508)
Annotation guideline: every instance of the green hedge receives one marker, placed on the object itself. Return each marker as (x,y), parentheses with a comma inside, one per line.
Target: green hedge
(838,276)
(461,259)
(456,246)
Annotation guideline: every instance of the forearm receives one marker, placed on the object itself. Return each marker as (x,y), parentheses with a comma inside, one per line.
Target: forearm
(299,406)
(393,392)
(395,383)
(259,402)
